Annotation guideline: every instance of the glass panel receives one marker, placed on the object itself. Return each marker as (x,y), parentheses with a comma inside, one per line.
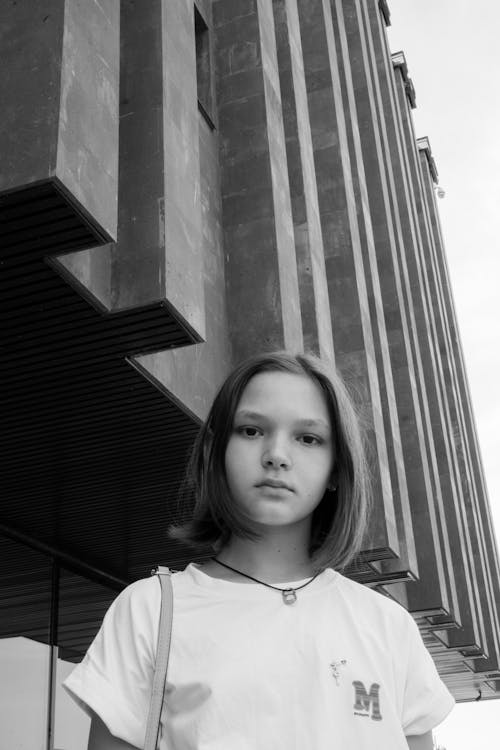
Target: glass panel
(82,605)
(25,583)
(203,73)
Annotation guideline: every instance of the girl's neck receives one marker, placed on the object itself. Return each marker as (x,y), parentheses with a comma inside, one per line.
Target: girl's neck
(269,559)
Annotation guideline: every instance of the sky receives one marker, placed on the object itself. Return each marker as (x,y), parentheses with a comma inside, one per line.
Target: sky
(452,49)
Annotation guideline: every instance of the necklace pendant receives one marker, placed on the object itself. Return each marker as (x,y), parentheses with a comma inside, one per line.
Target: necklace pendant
(289,596)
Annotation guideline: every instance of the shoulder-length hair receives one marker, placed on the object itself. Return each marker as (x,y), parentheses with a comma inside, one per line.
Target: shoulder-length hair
(340,519)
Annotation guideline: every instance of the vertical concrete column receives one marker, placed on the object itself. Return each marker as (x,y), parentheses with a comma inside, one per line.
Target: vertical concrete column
(379,276)
(405,566)
(370,65)
(352,326)
(424,317)
(137,260)
(59,94)
(465,478)
(397,112)
(191,374)
(183,280)
(314,302)
(450,471)
(159,250)
(261,268)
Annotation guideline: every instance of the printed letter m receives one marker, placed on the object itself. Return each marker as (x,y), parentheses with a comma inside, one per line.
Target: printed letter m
(363,700)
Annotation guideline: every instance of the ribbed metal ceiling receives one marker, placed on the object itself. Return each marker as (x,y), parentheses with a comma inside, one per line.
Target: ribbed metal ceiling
(92,453)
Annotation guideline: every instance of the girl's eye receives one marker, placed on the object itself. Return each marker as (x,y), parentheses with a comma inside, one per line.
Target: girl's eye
(310,440)
(248,431)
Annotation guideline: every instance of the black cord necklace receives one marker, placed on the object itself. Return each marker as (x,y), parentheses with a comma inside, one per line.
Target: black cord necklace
(289,595)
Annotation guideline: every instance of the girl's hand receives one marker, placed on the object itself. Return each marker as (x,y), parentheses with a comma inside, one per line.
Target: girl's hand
(100,738)
(420,741)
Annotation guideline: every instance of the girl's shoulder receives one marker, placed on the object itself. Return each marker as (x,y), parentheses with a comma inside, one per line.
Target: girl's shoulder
(144,591)
(137,606)
(141,600)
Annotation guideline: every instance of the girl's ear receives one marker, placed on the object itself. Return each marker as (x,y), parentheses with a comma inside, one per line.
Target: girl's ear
(332,484)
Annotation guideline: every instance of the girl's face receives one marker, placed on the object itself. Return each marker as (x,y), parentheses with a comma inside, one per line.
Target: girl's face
(279,458)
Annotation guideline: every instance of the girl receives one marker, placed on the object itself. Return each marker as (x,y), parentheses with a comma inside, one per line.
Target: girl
(272,647)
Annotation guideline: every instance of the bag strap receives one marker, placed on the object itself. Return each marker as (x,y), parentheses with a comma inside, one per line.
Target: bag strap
(162,654)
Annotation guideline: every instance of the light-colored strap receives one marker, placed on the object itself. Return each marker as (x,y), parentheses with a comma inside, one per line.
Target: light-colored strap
(162,653)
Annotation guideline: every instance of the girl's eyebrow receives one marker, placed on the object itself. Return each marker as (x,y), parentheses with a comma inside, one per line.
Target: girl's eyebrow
(249,414)
(244,414)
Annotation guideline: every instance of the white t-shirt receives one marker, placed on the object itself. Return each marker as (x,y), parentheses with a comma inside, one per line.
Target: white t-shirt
(344,667)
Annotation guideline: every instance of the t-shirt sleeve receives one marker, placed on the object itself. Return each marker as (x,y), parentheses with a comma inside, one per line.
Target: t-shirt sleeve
(114,679)
(427,700)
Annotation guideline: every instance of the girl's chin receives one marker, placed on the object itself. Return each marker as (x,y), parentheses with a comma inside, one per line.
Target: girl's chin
(275,520)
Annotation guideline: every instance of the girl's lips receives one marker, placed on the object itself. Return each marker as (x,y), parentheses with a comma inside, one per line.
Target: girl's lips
(275,484)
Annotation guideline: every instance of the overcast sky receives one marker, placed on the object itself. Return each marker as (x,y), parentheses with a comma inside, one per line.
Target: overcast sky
(452,48)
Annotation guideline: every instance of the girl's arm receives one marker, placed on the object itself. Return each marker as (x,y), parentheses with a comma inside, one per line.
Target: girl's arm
(420,741)
(100,738)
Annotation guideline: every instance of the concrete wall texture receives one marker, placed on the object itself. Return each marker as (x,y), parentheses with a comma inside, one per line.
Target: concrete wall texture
(287,205)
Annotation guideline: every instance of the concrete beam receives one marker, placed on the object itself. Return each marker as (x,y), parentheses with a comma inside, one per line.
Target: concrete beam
(59,93)
(158,253)
(261,269)
(313,287)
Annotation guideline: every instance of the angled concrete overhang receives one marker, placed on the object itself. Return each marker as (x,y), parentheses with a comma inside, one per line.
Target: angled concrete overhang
(385,12)
(424,146)
(399,62)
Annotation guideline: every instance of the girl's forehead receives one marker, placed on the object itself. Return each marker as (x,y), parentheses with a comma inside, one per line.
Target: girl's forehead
(284,392)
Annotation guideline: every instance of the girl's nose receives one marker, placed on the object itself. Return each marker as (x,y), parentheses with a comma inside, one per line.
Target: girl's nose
(276,456)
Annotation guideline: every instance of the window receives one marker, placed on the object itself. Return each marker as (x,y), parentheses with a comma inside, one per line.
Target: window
(49,617)
(203,68)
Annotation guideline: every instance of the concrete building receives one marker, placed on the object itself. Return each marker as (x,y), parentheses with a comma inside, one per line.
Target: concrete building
(184,184)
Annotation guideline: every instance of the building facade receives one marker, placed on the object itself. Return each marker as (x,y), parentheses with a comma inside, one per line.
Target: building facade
(184,184)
